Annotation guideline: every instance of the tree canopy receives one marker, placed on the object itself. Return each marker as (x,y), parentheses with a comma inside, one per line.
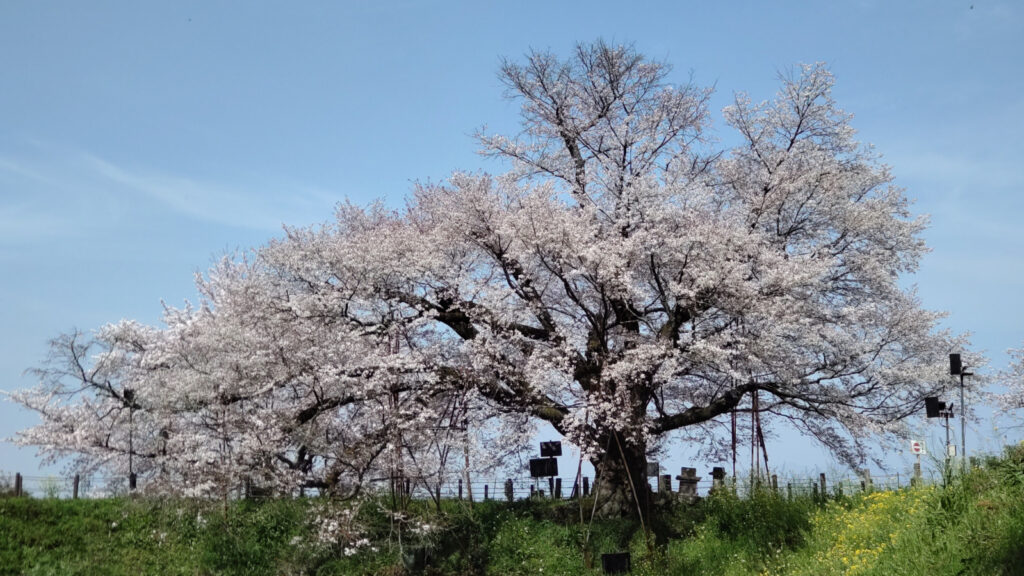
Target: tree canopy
(622,281)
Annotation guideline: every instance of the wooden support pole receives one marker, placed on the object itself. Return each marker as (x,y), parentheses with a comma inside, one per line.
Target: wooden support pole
(821,481)
(17,484)
(460,488)
(558,489)
(509,490)
(74,487)
(586,486)
(486,490)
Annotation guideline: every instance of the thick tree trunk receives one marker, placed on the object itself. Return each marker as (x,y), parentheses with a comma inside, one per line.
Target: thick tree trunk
(621,487)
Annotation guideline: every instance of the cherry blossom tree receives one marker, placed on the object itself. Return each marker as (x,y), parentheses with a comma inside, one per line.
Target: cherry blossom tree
(623,282)
(1012,380)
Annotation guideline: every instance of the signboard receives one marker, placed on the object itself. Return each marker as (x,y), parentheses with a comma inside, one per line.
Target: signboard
(917,447)
(951,450)
(549,449)
(542,467)
(653,469)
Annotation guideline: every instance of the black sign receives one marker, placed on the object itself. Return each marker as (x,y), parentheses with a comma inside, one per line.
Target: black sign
(543,467)
(549,449)
(615,563)
(955,365)
(933,407)
(653,469)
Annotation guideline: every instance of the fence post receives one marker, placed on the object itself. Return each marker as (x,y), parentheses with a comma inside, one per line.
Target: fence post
(460,488)
(775,483)
(486,492)
(789,491)
(558,489)
(132,481)
(509,491)
(586,486)
(551,487)
(821,480)
(17,484)
(74,488)
(533,490)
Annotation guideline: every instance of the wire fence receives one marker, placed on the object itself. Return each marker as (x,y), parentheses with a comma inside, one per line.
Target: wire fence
(485,487)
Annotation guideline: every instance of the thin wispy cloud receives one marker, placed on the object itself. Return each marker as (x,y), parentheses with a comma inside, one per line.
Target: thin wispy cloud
(68,193)
(215,202)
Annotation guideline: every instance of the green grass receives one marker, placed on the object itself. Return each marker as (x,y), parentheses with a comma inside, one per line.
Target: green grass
(975,526)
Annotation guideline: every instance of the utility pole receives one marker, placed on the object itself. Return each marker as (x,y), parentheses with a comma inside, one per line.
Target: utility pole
(734,444)
(957,368)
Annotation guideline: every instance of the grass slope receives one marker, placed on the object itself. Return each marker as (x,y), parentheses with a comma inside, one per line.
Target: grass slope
(974,526)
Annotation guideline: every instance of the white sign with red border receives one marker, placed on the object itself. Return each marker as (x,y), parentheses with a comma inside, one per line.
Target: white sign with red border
(917,447)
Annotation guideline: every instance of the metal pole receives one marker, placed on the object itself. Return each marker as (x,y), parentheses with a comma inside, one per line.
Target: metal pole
(963,425)
(946,416)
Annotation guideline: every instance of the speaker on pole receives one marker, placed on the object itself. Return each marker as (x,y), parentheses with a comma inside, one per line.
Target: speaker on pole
(955,365)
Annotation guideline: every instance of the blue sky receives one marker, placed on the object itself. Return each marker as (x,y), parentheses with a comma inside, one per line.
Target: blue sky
(139,141)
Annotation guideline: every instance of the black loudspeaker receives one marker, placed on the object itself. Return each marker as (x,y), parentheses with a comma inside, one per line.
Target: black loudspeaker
(933,407)
(955,366)
(615,563)
(549,449)
(543,467)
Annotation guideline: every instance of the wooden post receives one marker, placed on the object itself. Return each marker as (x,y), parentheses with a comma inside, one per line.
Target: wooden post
(551,487)
(558,489)
(460,488)
(533,490)
(486,492)
(509,490)
(775,483)
(821,480)
(74,487)
(586,486)
(789,491)
(17,484)
(132,481)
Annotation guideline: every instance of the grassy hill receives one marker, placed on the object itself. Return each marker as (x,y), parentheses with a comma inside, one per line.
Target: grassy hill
(973,526)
